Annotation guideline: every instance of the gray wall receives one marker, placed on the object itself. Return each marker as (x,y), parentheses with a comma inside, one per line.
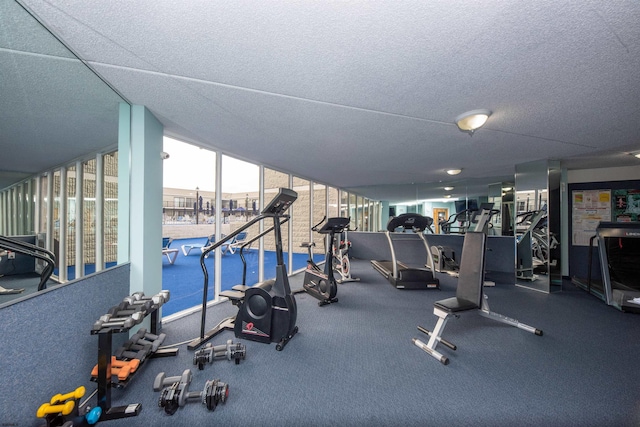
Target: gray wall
(374,245)
(46,346)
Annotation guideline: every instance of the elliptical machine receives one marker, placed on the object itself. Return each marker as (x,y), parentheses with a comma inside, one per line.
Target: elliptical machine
(318,283)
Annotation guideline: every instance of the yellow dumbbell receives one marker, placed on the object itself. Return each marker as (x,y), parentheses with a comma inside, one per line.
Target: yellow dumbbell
(76,394)
(64,409)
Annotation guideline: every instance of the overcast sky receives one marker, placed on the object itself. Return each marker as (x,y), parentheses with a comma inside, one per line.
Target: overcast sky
(189,167)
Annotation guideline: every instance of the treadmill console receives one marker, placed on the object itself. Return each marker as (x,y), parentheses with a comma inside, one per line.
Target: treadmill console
(410,221)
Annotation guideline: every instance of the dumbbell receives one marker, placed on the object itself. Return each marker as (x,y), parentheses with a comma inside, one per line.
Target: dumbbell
(64,409)
(158,299)
(75,394)
(107,321)
(176,392)
(122,368)
(209,353)
(143,338)
(125,309)
(127,352)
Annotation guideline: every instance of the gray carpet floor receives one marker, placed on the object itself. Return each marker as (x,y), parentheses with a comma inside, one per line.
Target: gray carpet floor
(353,364)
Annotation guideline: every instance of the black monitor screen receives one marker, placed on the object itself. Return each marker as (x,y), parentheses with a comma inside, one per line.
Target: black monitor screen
(461,205)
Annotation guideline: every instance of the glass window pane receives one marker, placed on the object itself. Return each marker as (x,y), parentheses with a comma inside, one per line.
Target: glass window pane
(301,225)
(319,212)
(273,181)
(56,218)
(89,216)
(333,208)
(240,189)
(189,218)
(110,250)
(71,222)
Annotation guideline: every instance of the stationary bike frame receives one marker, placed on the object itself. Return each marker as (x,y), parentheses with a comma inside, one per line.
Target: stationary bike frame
(321,283)
(341,262)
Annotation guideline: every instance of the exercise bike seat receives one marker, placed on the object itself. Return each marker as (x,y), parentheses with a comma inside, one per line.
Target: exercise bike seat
(307,244)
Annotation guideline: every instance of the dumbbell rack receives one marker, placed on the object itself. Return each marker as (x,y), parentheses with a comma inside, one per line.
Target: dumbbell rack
(105,340)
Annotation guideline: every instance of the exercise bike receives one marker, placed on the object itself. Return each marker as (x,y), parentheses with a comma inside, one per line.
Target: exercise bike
(341,263)
(319,283)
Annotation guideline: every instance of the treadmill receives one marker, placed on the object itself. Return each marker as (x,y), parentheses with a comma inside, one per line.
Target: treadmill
(398,273)
(619,253)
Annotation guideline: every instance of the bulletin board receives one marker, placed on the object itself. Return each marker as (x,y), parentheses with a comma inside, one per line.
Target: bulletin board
(589,208)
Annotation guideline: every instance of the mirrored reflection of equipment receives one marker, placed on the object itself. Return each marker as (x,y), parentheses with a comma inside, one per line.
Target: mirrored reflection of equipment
(526,263)
(399,274)
(267,312)
(468,220)
(321,283)
(444,258)
(619,254)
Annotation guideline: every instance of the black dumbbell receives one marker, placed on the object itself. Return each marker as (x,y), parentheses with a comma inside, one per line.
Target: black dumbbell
(125,352)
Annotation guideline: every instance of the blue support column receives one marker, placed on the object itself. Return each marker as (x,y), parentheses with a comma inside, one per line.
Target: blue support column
(145,201)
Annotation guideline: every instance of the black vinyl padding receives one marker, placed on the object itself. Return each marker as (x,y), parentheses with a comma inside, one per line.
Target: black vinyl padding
(471,275)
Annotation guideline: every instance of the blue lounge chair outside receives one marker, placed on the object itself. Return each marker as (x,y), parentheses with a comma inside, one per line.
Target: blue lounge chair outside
(237,242)
(186,249)
(170,253)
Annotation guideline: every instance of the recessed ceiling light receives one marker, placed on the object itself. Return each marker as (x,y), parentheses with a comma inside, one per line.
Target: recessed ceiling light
(448,188)
(507,189)
(454,171)
(637,154)
(472,120)
(447,196)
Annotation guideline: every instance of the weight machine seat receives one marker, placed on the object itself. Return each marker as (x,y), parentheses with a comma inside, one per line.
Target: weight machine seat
(469,296)
(455,304)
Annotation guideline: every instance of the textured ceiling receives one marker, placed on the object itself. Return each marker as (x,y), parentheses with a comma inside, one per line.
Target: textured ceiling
(360,95)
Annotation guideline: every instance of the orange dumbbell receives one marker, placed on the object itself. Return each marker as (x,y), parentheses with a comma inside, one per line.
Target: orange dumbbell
(121,368)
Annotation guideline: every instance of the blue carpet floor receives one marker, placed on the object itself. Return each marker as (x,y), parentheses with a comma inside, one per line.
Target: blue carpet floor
(185,279)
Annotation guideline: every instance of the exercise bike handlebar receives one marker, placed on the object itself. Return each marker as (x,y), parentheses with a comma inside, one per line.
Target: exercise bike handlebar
(264,233)
(315,227)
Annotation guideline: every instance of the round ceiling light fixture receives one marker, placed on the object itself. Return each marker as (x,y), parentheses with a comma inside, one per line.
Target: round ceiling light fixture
(471,120)
(448,188)
(454,171)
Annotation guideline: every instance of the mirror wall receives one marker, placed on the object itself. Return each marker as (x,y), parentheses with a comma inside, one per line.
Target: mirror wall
(536,225)
(501,195)
(51,101)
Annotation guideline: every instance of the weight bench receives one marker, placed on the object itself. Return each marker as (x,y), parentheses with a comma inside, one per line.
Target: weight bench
(469,296)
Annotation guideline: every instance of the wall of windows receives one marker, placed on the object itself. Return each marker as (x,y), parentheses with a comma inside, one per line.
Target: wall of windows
(74,212)
(63,209)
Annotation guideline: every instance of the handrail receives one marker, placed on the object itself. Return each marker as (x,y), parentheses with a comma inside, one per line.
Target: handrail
(248,243)
(34,251)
